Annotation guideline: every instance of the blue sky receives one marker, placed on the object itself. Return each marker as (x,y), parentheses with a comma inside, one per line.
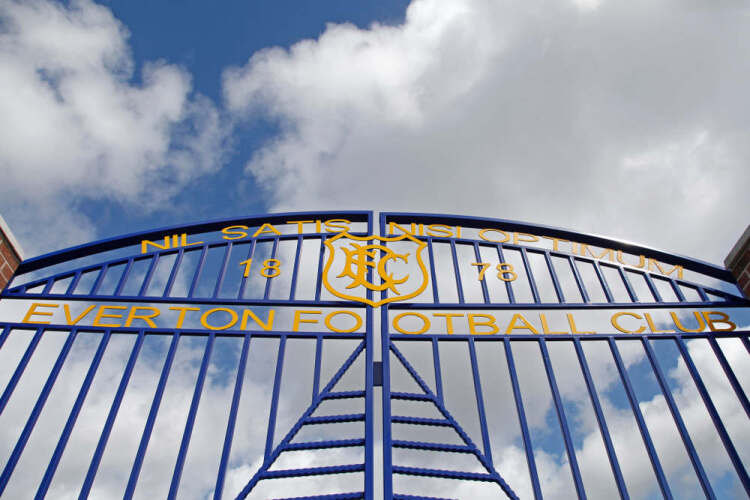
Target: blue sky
(623,120)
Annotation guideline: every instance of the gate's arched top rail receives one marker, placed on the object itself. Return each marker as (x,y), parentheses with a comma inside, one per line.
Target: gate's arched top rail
(264,229)
(690,263)
(117,242)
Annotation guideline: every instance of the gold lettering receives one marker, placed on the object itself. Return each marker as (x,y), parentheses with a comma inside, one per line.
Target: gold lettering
(357,320)
(555,242)
(266,228)
(489,322)
(425,321)
(652,327)
(205,315)
(300,224)
(641,260)
(392,225)
(146,243)
(185,241)
(655,263)
(681,327)
(518,238)
(625,313)
(69,321)
(545,327)
(723,318)
(572,324)
(234,232)
(101,313)
(33,312)
(336,228)
(442,230)
(265,326)
(145,317)
(448,320)
(483,235)
(525,325)
(183,310)
(605,252)
(298,319)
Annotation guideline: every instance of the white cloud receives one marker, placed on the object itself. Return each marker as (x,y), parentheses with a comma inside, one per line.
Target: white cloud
(77,120)
(534,111)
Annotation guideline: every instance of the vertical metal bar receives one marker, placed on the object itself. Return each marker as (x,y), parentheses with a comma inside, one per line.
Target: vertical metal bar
(387,438)
(270,280)
(603,281)
(385,356)
(198,271)
(222,270)
(36,411)
(569,447)
(746,343)
(522,421)
(433,276)
(438,377)
(190,423)
(275,398)
(614,464)
(459,285)
(173,273)
(74,412)
(485,292)
(149,275)
(508,286)
(579,280)
(295,269)
(243,283)
(124,277)
(227,448)
(153,411)
(730,375)
(99,279)
(702,294)
(369,383)
(697,466)
(319,281)
(714,414)
(480,403)
(20,369)
(48,286)
(73,283)
(96,459)
(316,375)
(652,288)
(677,290)
(4,335)
(628,286)
(655,463)
(553,274)
(530,275)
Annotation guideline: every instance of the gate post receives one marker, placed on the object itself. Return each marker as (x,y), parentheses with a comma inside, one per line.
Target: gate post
(10,253)
(738,262)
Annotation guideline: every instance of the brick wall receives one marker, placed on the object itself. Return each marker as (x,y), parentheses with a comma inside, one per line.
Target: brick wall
(738,262)
(10,254)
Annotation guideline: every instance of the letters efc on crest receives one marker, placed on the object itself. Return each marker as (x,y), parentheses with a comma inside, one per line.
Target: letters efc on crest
(353,267)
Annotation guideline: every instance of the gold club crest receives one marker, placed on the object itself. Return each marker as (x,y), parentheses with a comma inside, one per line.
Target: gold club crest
(360,254)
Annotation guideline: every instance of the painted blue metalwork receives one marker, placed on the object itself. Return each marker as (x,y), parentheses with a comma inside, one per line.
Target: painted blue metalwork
(122,275)
(653,301)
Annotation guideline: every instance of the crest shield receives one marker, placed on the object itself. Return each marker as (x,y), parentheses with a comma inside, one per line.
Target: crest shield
(360,263)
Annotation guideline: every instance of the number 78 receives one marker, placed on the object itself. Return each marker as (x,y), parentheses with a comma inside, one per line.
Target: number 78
(505,271)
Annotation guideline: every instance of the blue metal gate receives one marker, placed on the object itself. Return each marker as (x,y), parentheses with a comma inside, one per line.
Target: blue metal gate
(611,287)
(235,358)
